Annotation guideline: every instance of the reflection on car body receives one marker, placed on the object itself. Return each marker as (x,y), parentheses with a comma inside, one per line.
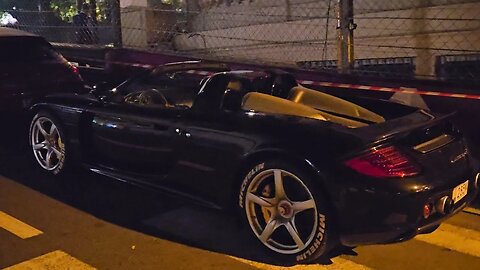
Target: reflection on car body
(308,170)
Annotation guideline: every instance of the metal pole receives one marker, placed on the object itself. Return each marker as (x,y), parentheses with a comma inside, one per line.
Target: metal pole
(116,22)
(345,26)
(288,10)
(193,8)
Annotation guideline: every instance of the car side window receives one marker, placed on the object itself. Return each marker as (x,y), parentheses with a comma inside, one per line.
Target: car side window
(159,91)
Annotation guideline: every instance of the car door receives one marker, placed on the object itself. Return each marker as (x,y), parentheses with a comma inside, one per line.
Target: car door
(210,141)
(133,140)
(132,132)
(209,147)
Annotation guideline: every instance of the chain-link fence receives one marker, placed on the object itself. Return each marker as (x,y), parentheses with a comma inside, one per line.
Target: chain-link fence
(61,25)
(441,38)
(404,38)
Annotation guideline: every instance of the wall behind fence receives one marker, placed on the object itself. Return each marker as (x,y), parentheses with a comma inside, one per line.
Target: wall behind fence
(438,39)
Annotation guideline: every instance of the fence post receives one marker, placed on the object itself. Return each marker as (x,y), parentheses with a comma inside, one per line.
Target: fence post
(193,8)
(116,22)
(345,26)
(425,58)
(288,7)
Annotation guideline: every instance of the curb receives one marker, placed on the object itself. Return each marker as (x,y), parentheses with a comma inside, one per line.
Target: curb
(472,210)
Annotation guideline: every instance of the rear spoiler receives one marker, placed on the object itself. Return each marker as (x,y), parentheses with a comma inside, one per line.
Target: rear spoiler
(378,133)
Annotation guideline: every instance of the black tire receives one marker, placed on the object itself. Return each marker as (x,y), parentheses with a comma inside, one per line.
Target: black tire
(302,214)
(57,140)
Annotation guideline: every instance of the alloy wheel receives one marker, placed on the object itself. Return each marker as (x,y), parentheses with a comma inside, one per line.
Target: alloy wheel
(47,144)
(281,211)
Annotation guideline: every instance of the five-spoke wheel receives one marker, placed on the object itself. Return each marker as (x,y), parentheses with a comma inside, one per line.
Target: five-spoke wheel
(46,139)
(283,212)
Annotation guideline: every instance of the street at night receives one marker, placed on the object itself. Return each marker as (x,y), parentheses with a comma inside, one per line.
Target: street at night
(86,221)
(239,135)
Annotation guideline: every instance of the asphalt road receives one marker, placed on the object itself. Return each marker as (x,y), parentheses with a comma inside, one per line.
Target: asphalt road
(85,221)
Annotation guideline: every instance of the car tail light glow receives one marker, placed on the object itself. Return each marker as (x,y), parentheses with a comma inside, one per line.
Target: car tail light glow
(386,162)
(427,210)
(75,71)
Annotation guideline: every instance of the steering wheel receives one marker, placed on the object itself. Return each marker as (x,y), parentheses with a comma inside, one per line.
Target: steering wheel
(147,97)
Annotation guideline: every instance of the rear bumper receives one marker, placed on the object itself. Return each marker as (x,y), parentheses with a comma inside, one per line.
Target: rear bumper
(389,218)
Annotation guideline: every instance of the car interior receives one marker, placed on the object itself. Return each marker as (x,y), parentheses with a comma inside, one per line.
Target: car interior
(163,91)
(285,96)
(249,91)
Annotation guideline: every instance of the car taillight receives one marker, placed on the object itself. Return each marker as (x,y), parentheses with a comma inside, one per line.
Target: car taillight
(75,71)
(384,162)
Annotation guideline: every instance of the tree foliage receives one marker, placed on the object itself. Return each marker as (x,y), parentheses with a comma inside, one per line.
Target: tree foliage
(65,9)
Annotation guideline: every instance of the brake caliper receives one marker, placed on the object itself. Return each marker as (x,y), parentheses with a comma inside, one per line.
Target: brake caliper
(267,192)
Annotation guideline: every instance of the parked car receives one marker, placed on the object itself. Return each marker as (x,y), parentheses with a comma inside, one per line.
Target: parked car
(30,68)
(307,170)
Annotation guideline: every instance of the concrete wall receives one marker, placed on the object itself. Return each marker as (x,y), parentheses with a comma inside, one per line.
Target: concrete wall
(145,25)
(294,30)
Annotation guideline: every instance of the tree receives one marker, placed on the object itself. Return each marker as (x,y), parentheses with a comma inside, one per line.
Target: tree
(65,9)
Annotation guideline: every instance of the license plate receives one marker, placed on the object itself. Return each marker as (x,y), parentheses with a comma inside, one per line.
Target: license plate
(460,191)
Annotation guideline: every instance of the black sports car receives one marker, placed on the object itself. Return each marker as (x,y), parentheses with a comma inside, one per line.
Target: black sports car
(307,170)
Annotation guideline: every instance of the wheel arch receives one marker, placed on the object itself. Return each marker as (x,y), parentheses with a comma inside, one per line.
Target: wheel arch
(256,157)
(317,176)
(38,107)
(70,125)
(51,110)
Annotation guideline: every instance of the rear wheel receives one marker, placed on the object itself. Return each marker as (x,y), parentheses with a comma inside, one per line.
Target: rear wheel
(285,212)
(47,140)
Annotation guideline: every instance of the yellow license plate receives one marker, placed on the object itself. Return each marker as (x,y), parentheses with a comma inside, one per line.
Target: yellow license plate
(460,191)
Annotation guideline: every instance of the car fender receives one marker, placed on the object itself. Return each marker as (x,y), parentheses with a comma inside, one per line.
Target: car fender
(257,156)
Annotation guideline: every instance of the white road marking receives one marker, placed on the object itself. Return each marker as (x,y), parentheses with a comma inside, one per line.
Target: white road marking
(56,260)
(338,264)
(17,227)
(455,238)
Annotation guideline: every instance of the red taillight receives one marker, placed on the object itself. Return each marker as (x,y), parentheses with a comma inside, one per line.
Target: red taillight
(427,210)
(75,71)
(384,162)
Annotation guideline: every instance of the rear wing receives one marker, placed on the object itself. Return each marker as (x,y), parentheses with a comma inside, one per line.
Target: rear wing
(381,132)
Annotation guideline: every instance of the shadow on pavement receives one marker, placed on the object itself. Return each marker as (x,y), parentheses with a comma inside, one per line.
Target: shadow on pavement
(141,210)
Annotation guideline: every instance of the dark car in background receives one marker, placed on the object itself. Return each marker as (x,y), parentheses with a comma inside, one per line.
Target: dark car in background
(306,170)
(30,68)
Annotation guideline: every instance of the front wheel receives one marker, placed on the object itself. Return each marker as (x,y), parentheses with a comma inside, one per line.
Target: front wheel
(285,212)
(48,143)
